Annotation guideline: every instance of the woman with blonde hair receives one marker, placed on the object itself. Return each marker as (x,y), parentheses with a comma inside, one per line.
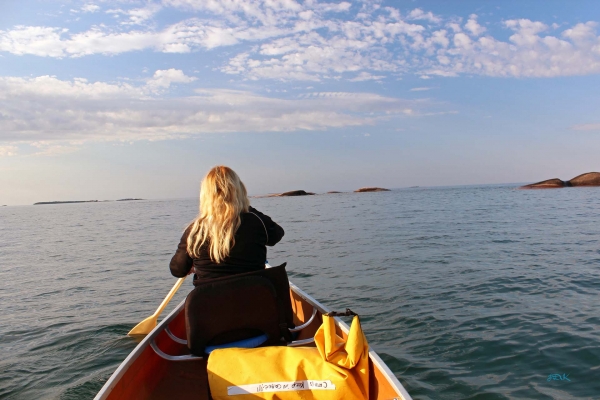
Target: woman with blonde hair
(228,236)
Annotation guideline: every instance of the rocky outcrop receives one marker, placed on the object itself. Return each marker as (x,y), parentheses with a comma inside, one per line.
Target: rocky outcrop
(587,179)
(293,193)
(333,191)
(547,184)
(371,189)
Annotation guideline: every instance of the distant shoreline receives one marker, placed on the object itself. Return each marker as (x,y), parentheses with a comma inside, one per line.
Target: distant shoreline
(64,202)
(41,203)
(515,185)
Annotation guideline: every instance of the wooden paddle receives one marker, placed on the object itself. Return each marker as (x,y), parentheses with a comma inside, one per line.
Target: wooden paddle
(146,326)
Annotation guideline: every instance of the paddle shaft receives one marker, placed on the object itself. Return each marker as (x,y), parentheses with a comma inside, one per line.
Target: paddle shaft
(169,296)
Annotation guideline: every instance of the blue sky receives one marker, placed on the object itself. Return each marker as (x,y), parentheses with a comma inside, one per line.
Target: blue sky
(109,99)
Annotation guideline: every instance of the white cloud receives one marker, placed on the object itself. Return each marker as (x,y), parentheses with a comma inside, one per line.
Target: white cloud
(137,16)
(365,76)
(52,149)
(380,44)
(49,42)
(46,110)
(418,14)
(344,6)
(473,27)
(526,54)
(90,8)
(38,41)
(420,89)
(7,151)
(267,12)
(347,47)
(587,127)
(310,57)
(162,79)
(182,37)
(583,34)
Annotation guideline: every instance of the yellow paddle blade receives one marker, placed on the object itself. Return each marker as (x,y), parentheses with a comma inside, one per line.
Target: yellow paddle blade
(146,326)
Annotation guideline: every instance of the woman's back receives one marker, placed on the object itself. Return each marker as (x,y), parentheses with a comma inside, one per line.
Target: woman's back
(249,252)
(228,237)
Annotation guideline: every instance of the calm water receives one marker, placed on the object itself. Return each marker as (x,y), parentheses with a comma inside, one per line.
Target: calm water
(465,292)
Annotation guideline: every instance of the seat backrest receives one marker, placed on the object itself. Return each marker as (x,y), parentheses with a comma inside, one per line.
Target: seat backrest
(238,307)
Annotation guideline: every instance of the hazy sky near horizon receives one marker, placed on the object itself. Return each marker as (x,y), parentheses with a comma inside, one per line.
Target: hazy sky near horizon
(108,99)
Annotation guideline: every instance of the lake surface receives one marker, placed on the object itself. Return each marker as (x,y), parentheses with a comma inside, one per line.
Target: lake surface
(466,292)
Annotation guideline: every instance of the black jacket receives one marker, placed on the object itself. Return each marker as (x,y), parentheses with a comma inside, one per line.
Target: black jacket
(248,254)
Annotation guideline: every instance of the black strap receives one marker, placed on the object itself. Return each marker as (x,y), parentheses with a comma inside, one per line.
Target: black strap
(348,313)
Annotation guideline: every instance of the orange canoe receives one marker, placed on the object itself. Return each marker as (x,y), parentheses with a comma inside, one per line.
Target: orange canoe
(147,375)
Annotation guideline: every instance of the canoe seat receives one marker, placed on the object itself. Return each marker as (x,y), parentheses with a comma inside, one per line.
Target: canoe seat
(245,310)
(239,307)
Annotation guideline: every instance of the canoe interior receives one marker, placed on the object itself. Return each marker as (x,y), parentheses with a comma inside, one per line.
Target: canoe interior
(146,376)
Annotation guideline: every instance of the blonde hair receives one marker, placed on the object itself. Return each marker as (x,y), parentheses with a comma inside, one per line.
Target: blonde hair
(222,198)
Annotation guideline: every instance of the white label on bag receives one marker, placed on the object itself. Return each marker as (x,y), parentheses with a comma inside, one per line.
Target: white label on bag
(290,386)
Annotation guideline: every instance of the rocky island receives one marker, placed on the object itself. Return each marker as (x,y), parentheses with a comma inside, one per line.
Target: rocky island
(371,189)
(293,193)
(587,179)
(64,202)
(128,199)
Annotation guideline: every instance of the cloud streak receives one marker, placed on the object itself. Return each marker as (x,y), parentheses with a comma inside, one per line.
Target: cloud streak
(46,109)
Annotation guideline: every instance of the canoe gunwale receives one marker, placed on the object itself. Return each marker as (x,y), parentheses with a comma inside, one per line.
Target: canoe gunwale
(141,347)
(120,371)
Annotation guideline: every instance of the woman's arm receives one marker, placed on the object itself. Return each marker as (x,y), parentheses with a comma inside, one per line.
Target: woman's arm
(181,263)
(274,231)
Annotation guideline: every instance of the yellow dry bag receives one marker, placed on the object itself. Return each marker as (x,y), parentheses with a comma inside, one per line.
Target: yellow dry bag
(336,369)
